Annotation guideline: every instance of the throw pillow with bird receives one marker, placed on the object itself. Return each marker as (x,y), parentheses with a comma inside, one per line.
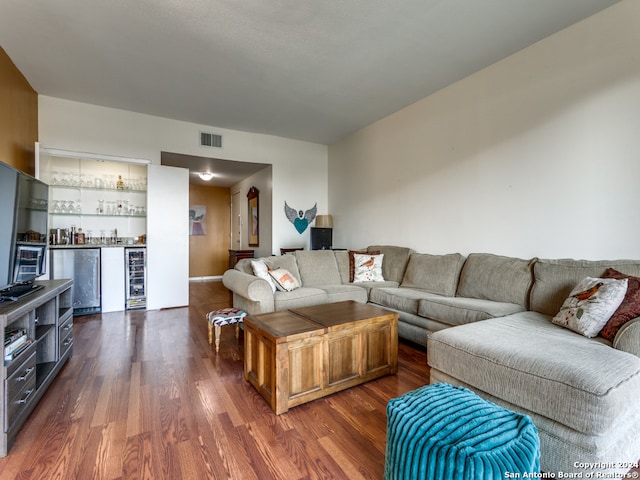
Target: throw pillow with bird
(367,268)
(591,304)
(300,219)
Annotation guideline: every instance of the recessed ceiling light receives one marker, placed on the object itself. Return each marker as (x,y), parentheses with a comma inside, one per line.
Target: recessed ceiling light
(206,176)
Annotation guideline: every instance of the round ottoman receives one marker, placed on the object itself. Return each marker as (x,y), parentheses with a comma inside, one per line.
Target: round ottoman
(222,317)
(445,432)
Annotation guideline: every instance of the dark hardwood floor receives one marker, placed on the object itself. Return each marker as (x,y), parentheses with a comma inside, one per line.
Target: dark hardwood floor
(145,397)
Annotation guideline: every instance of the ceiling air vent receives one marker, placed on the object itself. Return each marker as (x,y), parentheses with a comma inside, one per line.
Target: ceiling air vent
(210,140)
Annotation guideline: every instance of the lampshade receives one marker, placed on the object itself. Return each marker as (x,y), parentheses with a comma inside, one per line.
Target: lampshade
(324,221)
(206,176)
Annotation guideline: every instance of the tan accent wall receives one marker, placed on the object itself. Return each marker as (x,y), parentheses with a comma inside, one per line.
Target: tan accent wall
(18,117)
(209,253)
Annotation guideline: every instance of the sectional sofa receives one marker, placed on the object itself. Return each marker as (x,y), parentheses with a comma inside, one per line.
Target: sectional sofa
(487,323)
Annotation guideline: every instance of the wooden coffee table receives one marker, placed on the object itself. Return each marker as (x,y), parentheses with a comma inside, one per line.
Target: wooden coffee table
(295,356)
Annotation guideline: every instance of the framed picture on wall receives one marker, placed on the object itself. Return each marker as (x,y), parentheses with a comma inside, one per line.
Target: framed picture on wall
(197,220)
(254,217)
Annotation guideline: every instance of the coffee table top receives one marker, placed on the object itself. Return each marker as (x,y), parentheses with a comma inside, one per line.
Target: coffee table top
(283,326)
(303,322)
(332,315)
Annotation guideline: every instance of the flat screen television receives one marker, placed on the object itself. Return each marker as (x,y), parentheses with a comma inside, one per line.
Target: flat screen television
(8,190)
(23,231)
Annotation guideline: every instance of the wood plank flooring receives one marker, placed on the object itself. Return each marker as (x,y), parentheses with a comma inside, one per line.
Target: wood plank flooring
(145,397)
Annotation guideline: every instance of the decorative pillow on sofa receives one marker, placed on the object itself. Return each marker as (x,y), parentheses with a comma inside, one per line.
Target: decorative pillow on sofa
(261,270)
(628,309)
(591,304)
(352,265)
(367,268)
(285,282)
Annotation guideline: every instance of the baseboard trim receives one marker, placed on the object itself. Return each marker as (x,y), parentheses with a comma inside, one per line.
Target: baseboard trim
(214,278)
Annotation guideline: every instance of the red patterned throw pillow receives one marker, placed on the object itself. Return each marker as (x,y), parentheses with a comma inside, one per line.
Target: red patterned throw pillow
(628,309)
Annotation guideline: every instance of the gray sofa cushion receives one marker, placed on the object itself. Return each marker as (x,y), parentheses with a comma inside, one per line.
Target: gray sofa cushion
(494,277)
(404,299)
(341,293)
(342,259)
(300,297)
(317,267)
(394,261)
(368,286)
(554,279)
(526,360)
(433,273)
(459,310)
(244,266)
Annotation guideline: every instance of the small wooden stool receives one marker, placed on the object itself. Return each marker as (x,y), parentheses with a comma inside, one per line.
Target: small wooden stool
(224,316)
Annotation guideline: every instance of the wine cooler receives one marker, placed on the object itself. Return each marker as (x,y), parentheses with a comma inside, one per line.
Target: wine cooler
(136,277)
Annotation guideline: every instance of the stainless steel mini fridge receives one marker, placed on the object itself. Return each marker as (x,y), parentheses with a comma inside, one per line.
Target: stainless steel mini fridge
(82,265)
(136,277)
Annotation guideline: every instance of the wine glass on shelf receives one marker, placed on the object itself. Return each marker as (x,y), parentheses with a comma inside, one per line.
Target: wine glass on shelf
(88,181)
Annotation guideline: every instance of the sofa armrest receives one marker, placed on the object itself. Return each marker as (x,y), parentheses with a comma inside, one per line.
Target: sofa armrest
(628,337)
(252,289)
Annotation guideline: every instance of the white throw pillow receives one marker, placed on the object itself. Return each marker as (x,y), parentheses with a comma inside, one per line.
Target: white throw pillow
(285,281)
(591,304)
(367,268)
(261,270)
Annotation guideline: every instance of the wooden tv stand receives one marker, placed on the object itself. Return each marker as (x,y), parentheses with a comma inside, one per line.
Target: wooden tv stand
(47,317)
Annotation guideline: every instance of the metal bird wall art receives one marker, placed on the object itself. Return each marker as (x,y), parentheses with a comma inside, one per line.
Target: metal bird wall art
(300,219)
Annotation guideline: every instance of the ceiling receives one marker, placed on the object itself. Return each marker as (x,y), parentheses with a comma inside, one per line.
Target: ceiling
(303,69)
(227,173)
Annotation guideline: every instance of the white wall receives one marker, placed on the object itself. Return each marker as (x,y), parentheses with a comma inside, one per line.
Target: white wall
(262,181)
(537,155)
(299,168)
(168,237)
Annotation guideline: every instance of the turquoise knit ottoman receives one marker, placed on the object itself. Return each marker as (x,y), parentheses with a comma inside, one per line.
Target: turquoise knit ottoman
(444,432)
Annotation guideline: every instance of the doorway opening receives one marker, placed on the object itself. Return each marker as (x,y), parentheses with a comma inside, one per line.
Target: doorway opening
(217,209)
